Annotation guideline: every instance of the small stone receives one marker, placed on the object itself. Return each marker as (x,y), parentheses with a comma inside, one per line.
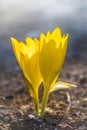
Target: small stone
(24,107)
(75,103)
(30,116)
(82,128)
(9,97)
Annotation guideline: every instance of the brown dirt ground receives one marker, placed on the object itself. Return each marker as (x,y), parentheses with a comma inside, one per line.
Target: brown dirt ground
(66,110)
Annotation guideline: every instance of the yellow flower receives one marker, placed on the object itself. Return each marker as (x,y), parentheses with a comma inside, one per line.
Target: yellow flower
(27,57)
(42,61)
(52,53)
(51,57)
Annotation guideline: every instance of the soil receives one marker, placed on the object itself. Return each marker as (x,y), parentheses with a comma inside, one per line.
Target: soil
(66,110)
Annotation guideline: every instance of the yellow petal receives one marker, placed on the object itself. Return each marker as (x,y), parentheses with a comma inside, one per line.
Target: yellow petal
(48,35)
(65,41)
(56,34)
(43,39)
(48,64)
(29,41)
(31,70)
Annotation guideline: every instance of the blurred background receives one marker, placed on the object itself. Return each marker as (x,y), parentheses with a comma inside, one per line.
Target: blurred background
(19,19)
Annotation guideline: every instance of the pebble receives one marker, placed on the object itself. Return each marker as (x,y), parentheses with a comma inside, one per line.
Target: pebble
(4,111)
(9,97)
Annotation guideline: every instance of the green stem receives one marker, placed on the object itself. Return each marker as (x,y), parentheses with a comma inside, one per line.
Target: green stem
(36,101)
(44,102)
(36,108)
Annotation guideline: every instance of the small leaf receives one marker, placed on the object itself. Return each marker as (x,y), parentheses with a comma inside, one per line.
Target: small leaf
(62,85)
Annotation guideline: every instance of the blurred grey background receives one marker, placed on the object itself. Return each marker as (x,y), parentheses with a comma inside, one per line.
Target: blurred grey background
(22,18)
